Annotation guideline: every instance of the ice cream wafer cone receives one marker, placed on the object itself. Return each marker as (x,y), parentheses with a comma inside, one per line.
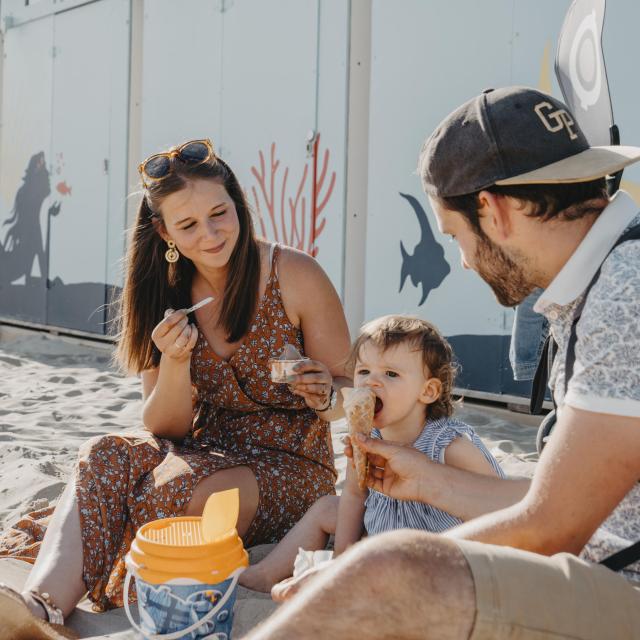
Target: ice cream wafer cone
(359,405)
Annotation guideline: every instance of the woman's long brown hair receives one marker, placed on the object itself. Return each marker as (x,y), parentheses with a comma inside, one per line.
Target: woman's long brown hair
(152,284)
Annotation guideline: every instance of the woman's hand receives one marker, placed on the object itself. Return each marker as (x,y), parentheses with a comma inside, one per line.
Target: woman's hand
(313,382)
(396,470)
(174,336)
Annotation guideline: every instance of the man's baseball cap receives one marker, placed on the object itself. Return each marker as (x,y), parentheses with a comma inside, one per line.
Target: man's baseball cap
(514,135)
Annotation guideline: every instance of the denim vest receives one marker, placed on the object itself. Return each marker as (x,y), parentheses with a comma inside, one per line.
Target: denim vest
(530,330)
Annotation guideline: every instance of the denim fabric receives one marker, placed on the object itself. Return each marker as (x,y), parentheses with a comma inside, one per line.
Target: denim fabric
(530,330)
(168,608)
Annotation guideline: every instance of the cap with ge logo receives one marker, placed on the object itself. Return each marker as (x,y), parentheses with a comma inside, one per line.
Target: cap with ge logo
(514,135)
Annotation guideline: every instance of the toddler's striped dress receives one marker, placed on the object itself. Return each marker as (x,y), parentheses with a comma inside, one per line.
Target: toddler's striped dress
(386,514)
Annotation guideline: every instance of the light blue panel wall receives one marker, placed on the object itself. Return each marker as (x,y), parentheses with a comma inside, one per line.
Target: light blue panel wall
(621,47)
(332,95)
(181,74)
(269,106)
(63,159)
(427,58)
(89,111)
(251,75)
(25,168)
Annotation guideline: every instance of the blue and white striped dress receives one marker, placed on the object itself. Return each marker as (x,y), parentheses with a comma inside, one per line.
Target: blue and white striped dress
(383,513)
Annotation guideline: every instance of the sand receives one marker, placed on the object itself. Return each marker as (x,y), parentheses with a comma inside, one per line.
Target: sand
(56,392)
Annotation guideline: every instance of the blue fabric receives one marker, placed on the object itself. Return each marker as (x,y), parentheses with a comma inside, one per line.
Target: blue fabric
(530,330)
(383,513)
(166,608)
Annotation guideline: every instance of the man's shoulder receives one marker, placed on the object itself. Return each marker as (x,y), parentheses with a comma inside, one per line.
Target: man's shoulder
(606,377)
(619,278)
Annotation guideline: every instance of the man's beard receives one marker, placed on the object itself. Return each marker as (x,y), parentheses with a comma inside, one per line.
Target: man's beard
(509,280)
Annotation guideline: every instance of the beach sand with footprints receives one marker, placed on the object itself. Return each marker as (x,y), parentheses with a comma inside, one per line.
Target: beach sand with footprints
(57,392)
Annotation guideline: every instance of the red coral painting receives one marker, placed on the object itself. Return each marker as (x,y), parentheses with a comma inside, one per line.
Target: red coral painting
(290,213)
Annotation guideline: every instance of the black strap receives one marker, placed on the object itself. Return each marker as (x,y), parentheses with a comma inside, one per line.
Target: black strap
(629,555)
(622,558)
(539,386)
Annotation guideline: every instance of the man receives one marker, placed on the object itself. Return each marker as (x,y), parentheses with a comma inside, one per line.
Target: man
(512,178)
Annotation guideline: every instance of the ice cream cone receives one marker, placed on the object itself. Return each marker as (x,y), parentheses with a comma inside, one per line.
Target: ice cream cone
(359,405)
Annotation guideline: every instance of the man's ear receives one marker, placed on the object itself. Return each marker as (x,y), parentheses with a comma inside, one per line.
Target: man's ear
(431,390)
(494,214)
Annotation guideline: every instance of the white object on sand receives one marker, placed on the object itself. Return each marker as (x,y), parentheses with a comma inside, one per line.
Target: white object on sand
(306,560)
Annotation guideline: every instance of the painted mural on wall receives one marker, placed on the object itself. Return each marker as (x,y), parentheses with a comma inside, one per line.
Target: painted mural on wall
(28,289)
(285,210)
(24,245)
(426,266)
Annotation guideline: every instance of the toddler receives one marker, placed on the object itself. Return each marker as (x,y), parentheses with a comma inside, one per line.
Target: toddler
(409,367)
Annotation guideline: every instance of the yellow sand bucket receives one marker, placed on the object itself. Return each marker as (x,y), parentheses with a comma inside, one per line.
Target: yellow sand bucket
(186,573)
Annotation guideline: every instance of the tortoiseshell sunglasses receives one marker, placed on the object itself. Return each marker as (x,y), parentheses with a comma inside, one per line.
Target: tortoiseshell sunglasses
(158,166)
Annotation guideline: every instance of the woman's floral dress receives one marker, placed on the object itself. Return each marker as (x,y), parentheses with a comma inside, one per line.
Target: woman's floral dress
(240,418)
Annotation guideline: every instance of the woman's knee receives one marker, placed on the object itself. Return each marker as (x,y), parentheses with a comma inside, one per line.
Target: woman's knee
(102,447)
(241,478)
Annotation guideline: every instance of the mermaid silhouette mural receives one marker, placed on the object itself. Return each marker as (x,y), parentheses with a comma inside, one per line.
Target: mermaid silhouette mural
(23,242)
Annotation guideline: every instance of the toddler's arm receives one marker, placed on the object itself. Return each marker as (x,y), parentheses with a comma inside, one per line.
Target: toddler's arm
(463,454)
(350,525)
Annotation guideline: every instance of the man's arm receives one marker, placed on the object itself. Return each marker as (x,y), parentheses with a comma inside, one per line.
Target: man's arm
(404,473)
(589,464)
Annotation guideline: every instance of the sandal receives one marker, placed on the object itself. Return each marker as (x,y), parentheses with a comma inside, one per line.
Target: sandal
(18,623)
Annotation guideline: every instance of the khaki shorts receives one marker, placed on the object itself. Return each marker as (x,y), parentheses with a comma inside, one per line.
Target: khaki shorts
(525,596)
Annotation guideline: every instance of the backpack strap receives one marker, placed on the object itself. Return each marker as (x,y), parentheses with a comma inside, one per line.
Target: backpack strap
(541,378)
(631,554)
(623,558)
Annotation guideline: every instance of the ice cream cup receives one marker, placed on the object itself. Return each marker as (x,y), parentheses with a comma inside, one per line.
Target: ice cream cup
(282,371)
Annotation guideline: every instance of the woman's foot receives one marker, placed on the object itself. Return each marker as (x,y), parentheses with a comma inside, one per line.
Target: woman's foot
(256,579)
(21,619)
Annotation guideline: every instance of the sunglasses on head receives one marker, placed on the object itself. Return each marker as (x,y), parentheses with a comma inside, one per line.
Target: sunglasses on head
(193,153)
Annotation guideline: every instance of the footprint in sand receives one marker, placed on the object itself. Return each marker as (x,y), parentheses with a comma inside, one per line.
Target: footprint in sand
(133,395)
(46,398)
(65,380)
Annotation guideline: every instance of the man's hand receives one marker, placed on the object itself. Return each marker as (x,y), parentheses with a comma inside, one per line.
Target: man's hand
(396,470)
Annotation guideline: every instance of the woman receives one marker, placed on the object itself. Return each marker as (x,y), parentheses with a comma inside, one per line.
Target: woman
(213,418)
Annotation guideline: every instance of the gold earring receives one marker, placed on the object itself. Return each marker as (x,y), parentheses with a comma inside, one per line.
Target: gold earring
(172,254)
